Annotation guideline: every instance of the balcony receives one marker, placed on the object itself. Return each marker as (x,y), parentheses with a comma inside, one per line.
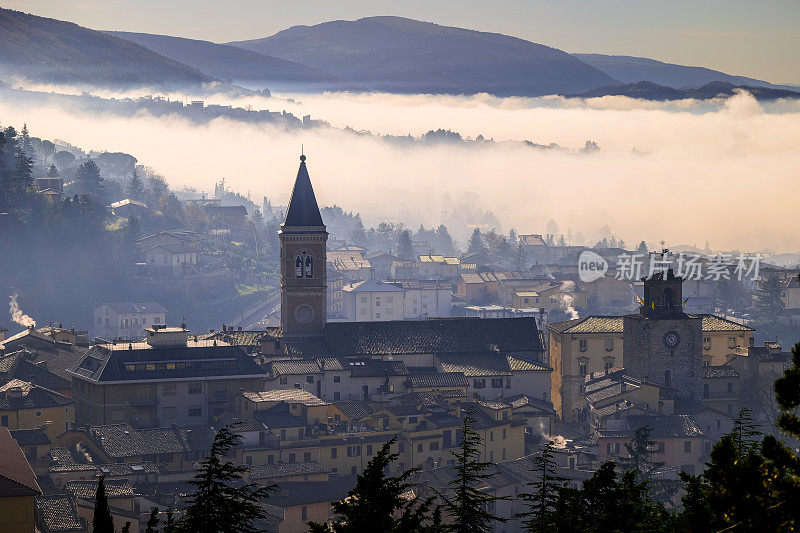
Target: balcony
(144,401)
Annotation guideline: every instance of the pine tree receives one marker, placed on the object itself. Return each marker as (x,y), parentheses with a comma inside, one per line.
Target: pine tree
(52,172)
(377,503)
(642,248)
(220,502)
(405,248)
(135,186)
(89,180)
(358,234)
(127,527)
(647,471)
(445,241)
(469,506)
(740,489)
(539,518)
(170,524)
(477,247)
(102,521)
(152,521)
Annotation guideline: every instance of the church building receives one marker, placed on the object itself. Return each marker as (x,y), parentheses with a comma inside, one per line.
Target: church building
(304,331)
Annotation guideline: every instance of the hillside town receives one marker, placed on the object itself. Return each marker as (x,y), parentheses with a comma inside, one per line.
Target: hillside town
(360,347)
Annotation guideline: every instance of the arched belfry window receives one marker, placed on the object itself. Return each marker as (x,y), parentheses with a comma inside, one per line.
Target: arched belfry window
(669,298)
(304,265)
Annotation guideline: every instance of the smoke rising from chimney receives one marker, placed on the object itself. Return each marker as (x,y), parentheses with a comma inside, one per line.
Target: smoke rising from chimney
(17,315)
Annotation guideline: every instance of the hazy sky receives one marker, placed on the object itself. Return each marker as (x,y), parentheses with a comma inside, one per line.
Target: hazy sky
(746,37)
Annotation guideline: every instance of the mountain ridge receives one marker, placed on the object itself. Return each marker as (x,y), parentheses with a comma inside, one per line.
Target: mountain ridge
(402,55)
(48,50)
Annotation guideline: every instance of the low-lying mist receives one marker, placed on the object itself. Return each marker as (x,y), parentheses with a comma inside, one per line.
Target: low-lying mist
(723,171)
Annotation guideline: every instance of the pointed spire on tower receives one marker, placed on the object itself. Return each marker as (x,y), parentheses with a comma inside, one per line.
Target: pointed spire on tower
(303,209)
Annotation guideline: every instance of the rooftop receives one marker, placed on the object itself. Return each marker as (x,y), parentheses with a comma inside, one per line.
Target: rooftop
(87,489)
(303,209)
(16,476)
(300,396)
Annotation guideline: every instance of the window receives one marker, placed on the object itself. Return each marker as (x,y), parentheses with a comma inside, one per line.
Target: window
(270,459)
(248,460)
(730,386)
(609,345)
(284,380)
(504,433)
(369,449)
(667,377)
(434,446)
(377,315)
(491,455)
(337,396)
(731,342)
(661,447)
(706,343)
(306,456)
(292,458)
(353,470)
(497,383)
(195,411)
(195,388)
(491,436)
(363,299)
(337,379)
(378,302)
(582,368)
(705,390)
(689,469)
(169,389)
(412,419)
(304,513)
(582,345)
(334,453)
(309,379)
(479,383)
(4,421)
(504,454)
(419,447)
(687,446)
(353,451)
(169,412)
(283,434)
(508,383)
(389,299)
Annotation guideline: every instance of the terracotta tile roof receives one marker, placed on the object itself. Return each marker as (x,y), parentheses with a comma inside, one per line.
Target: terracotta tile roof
(722,371)
(19,395)
(280,470)
(293,395)
(589,324)
(16,476)
(355,410)
(715,323)
(58,514)
(87,489)
(278,417)
(30,437)
(436,379)
(296,493)
(121,440)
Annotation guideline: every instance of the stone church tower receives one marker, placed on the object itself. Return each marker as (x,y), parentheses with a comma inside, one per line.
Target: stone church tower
(303,240)
(662,344)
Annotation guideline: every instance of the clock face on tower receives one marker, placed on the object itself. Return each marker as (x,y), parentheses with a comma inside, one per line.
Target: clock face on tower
(671,339)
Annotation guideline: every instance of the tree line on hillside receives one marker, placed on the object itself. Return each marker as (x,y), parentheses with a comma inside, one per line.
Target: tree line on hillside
(752,483)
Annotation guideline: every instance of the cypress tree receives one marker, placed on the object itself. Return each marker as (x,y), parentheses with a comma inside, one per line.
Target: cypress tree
(647,470)
(152,521)
(405,248)
(135,186)
(102,521)
(221,503)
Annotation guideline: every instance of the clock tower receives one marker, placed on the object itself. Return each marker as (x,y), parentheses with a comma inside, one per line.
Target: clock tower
(303,239)
(661,343)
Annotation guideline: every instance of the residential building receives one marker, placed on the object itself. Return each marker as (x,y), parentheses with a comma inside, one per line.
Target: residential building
(24,405)
(437,267)
(126,320)
(371,300)
(168,378)
(18,488)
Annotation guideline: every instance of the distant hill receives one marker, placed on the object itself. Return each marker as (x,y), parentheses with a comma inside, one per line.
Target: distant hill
(652,91)
(241,66)
(54,51)
(629,69)
(407,56)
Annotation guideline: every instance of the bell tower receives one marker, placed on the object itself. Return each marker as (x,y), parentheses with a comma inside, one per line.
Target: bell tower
(303,255)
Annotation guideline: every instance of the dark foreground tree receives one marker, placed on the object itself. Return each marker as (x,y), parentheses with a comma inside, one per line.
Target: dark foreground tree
(540,516)
(468,506)
(405,247)
(102,521)
(607,502)
(378,502)
(740,488)
(222,503)
(152,521)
